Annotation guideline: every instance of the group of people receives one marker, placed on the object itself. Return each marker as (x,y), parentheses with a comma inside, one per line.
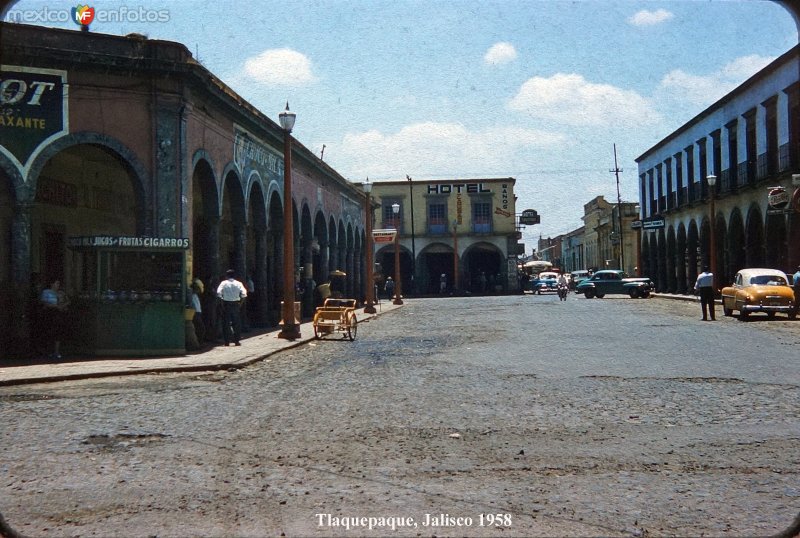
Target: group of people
(231,295)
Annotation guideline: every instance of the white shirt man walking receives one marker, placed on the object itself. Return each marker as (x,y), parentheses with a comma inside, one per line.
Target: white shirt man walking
(231,292)
(705,288)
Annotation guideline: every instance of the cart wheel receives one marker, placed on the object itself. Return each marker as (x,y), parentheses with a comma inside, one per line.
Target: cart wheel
(352,327)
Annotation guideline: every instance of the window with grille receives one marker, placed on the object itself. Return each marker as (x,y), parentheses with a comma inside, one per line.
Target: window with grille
(481,217)
(437,217)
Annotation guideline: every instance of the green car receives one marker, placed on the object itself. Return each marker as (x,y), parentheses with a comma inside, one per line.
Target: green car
(610,281)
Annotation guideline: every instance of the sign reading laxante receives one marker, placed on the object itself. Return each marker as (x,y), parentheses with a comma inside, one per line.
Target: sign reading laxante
(33,111)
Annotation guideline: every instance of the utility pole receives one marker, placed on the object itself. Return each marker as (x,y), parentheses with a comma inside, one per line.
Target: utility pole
(617,170)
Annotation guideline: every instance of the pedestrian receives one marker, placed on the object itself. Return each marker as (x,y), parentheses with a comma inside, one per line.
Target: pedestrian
(389,287)
(323,292)
(54,316)
(796,287)
(443,283)
(704,287)
(197,320)
(231,292)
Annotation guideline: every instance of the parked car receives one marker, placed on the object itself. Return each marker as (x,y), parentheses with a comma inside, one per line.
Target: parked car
(611,281)
(577,277)
(547,282)
(759,290)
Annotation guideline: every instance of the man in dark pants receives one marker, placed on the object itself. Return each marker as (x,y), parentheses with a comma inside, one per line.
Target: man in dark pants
(796,287)
(705,288)
(231,292)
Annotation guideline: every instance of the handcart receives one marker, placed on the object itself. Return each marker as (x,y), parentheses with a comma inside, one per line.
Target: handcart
(336,315)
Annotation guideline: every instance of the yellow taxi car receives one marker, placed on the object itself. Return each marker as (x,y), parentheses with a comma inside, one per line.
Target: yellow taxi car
(759,290)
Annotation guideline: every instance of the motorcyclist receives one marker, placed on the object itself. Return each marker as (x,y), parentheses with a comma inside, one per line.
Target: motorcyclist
(563,286)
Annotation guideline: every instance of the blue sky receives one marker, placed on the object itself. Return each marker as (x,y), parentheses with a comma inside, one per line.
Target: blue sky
(537,90)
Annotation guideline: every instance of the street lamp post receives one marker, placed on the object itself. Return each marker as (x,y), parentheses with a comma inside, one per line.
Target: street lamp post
(397,281)
(369,308)
(413,247)
(712,181)
(455,256)
(291,325)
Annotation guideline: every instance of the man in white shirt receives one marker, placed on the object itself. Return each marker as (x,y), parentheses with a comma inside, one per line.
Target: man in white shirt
(231,292)
(705,288)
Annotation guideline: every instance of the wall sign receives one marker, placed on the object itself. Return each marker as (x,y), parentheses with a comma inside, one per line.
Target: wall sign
(109,241)
(33,112)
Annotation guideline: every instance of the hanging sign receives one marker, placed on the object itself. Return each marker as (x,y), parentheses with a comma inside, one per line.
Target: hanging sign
(381,236)
(778,197)
(529,217)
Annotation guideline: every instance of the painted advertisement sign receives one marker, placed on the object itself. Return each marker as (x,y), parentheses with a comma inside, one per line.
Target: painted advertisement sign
(33,112)
(250,154)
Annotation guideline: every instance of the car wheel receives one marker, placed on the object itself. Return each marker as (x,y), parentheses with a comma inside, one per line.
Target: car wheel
(726,311)
(588,294)
(644,294)
(633,292)
(792,315)
(770,315)
(743,315)
(600,295)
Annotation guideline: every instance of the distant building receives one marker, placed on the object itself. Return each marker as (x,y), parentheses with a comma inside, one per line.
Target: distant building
(750,142)
(473,218)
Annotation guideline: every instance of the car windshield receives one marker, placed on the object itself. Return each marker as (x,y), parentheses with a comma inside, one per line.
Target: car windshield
(768,280)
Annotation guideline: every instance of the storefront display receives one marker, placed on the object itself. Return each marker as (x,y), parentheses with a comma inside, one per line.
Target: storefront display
(132,295)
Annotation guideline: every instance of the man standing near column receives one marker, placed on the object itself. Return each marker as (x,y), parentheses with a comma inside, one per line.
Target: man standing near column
(796,287)
(705,288)
(232,293)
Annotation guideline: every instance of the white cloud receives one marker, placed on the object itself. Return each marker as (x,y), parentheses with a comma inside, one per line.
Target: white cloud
(279,67)
(703,90)
(500,53)
(650,18)
(571,99)
(438,148)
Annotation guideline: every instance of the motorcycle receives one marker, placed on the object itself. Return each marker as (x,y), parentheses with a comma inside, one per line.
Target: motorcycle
(563,290)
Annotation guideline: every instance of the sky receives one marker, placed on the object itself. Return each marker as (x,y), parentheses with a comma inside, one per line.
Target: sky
(539,90)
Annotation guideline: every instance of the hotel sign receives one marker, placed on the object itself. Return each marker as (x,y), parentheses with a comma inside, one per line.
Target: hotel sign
(33,112)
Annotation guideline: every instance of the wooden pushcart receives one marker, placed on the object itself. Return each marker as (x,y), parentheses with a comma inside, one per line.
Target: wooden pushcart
(336,315)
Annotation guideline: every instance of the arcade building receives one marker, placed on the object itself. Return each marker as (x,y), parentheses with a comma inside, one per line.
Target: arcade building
(127,169)
(727,178)
(464,229)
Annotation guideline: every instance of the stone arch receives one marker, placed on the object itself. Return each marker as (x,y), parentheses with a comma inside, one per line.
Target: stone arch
(320,249)
(483,258)
(755,250)
(692,254)
(736,256)
(205,222)
(777,246)
(662,283)
(646,268)
(681,260)
(232,241)
(256,256)
(127,158)
(670,261)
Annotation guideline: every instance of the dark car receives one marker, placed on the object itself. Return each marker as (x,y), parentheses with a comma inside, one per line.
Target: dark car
(611,281)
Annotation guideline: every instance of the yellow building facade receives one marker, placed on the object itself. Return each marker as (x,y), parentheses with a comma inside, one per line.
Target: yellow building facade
(455,236)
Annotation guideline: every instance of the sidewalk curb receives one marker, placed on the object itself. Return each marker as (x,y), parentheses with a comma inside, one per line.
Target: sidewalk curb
(676,297)
(229,364)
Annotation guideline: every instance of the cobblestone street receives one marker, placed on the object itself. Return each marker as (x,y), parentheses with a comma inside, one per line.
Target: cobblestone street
(499,416)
